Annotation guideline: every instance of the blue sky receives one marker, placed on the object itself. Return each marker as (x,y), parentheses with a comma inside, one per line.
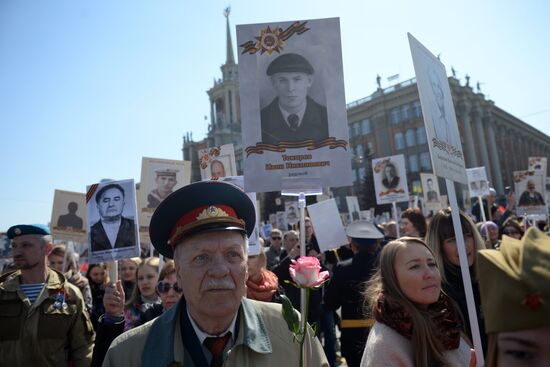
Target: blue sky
(87,88)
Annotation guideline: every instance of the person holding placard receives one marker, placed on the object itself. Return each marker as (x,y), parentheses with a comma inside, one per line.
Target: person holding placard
(517,314)
(416,323)
(205,226)
(292,115)
(442,240)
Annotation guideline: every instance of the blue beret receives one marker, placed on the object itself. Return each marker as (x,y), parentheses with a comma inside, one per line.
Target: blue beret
(288,63)
(23,229)
(200,207)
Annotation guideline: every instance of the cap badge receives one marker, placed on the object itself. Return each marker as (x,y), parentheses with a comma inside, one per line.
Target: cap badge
(533,301)
(212,212)
(17,231)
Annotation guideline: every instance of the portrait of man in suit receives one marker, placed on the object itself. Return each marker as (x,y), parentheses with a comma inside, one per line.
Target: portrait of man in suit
(390,179)
(292,115)
(112,230)
(431,194)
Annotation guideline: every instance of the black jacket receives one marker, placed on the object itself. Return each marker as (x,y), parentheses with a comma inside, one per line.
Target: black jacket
(125,237)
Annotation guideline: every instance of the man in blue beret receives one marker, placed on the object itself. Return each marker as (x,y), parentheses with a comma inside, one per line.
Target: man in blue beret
(292,115)
(113,230)
(205,226)
(43,319)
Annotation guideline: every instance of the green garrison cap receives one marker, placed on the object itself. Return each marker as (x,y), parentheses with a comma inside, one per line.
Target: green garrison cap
(515,283)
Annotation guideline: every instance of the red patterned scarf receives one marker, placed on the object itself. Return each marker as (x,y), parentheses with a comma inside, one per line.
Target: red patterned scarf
(443,314)
(264,288)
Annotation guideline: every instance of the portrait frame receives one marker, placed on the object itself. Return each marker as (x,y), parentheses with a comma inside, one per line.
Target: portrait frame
(129,245)
(225,154)
(309,153)
(521,182)
(432,202)
(396,190)
(64,224)
(478,184)
(147,197)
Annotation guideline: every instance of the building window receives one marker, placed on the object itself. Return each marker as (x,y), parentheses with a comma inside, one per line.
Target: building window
(421,136)
(417,109)
(399,141)
(365,126)
(425,161)
(355,175)
(405,112)
(413,163)
(394,115)
(357,127)
(351,132)
(370,149)
(411,142)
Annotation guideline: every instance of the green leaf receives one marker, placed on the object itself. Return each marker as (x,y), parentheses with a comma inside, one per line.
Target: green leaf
(315,328)
(290,315)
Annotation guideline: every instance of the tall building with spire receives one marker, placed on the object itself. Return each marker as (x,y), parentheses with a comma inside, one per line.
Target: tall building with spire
(225,114)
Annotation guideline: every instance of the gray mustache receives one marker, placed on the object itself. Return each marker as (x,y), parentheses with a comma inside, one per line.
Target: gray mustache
(212,283)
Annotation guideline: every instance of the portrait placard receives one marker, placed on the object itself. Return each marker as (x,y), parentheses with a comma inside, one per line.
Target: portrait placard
(159,178)
(281,221)
(530,187)
(353,208)
(292,212)
(538,164)
(217,162)
(477,181)
(390,179)
(69,216)
(112,226)
(254,239)
(439,114)
(329,230)
(430,188)
(293,109)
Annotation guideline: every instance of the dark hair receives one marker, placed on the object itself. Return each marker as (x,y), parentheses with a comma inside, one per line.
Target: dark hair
(105,188)
(417,219)
(91,266)
(510,222)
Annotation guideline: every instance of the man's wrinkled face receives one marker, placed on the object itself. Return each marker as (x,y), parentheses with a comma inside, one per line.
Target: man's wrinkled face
(111,204)
(217,169)
(212,271)
(530,186)
(291,88)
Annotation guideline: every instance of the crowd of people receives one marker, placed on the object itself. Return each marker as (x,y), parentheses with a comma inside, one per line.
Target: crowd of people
(392,300)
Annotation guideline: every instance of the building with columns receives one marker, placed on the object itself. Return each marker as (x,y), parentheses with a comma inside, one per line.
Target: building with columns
(388,122)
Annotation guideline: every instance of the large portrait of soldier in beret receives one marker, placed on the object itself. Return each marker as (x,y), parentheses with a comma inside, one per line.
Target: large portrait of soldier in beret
(292,115)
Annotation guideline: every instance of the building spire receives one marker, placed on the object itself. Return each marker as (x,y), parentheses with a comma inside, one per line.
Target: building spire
(229,59)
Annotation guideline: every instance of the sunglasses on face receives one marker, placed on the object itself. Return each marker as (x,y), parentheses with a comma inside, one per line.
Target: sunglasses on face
(164,287)
(276,238)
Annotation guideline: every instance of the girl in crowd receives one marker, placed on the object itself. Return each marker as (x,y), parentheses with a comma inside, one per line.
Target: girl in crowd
(416,323)
(111,324)
(413,223)
(262,284)
(442,240)
(97,277)
(128,268)
(517,320)
(144,294)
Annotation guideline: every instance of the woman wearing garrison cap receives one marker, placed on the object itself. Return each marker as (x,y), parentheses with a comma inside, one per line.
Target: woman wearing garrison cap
(515,293)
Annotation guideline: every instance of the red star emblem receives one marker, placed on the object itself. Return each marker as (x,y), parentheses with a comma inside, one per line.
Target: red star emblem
(533,301)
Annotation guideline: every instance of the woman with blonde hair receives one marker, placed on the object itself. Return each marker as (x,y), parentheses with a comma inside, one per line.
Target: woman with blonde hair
(442,240)
(144,295)
(416,324)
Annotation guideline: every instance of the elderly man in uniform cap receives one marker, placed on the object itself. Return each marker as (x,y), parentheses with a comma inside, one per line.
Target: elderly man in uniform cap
(345,289)
(204,227)
(292,115)
(166,180)
(43,320)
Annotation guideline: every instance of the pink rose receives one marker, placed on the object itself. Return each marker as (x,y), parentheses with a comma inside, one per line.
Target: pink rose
(305,272)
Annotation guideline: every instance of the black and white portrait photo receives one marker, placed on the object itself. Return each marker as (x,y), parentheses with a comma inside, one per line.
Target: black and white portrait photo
(112,220)
(292,115)
(390,181)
